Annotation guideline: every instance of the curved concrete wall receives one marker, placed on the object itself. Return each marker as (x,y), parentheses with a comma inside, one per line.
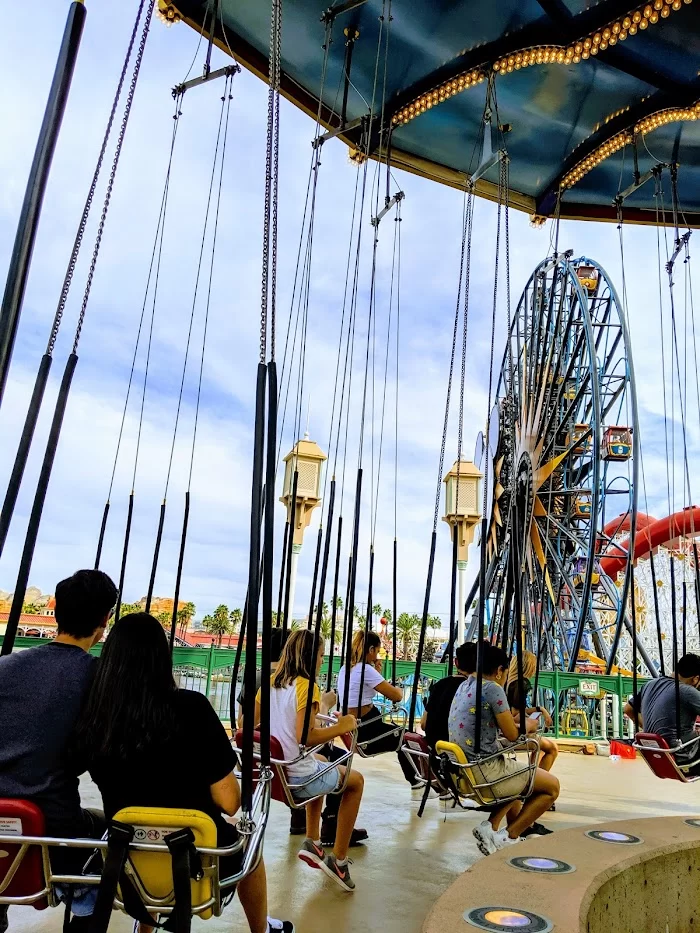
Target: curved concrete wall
(661,892)
(649,887)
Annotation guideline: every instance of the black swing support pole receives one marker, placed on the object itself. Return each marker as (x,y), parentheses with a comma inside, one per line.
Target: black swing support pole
(21,257)
(156,555)
(38,507)
(268,558)
(314,580)
(334,607)
(394,611)
(125,554)
(350,605)
(368,624)
(25,443)
(657,617)
(180,563)
(480,635)
(697,584)
(319,614)
(675,652)
(280,596)
(286,621)
(421,637)
(453,598)
(250,669)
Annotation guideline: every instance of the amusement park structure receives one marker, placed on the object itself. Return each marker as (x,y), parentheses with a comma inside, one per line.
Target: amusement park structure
(551,107)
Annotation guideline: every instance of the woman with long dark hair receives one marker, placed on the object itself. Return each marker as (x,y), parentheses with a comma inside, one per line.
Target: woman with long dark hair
(147,743)
(371,725)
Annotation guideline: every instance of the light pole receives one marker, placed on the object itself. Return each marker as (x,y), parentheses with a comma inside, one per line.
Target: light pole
(462,514)
(304,459)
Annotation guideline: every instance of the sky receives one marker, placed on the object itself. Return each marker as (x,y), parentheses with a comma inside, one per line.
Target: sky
(215,569)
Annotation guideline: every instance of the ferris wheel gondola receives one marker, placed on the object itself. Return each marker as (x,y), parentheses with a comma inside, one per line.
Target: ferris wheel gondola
(566,415)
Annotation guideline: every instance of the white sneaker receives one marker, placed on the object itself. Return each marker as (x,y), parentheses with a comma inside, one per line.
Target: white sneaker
(417,791)
(502,840)
(486,838)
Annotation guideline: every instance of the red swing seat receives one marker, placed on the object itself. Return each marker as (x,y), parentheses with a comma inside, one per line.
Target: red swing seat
(657,753)
(21,865)
(276,755)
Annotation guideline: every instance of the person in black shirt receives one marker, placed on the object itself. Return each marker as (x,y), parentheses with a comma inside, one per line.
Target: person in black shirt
(442,693)
(147,743)
(41,691)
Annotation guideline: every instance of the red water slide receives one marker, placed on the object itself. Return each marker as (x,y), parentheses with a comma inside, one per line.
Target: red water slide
(651,534)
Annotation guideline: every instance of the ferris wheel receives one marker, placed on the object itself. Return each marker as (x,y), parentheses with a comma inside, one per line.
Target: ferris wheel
(558,460)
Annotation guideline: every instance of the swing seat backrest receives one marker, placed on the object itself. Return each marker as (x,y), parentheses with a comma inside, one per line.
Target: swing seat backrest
(152,872)
(22,875)
(468,775)
(655,751)
(276,761)
(415,743)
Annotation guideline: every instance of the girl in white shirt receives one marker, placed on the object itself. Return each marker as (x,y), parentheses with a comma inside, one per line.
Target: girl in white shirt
(289,692)
(366,647)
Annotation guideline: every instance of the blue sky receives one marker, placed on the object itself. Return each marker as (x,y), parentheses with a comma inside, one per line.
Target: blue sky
(216,561)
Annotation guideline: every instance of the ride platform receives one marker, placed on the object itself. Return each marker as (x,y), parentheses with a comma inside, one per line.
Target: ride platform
(410,863)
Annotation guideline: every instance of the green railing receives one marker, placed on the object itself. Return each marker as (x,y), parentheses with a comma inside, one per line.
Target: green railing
(210,670)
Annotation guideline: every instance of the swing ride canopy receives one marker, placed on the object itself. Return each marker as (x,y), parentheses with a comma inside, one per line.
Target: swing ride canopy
(586,93)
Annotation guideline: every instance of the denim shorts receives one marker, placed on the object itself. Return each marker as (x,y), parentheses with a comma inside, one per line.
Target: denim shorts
(319,786)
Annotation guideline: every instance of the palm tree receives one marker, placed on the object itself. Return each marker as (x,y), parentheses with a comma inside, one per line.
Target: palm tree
(408,631)
(376,612)
(31,609)
(218,624)
(185,615)
(235,617)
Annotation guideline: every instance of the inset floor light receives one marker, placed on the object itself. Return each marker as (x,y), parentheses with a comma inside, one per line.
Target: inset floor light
(545,866)
(505,919)
(607,835)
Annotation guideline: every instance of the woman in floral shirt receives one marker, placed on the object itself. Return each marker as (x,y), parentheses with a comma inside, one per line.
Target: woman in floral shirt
(507,777)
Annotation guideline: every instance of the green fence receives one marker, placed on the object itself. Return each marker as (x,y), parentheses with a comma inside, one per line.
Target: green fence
(586,705)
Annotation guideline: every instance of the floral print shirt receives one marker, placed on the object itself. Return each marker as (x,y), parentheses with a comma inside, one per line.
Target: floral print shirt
(462,719)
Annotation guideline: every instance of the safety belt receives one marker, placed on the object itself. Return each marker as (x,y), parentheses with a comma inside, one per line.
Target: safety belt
(186,865)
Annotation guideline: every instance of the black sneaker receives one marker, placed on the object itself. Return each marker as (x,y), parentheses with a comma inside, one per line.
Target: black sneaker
(297,823)
(537,829)
(357,837)
(279,926)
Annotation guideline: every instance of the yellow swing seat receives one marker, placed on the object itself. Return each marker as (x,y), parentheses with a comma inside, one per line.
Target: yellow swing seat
(470,780)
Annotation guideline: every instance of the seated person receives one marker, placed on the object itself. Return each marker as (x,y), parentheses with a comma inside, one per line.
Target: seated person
(329,818)
(507,777)
(655,706)
(434,721)
(41,692)
(147,743)
(547,746)
(365,648)
(288,701)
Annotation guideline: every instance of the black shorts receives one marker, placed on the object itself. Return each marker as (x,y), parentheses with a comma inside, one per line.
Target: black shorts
(227,835)
(87,824)
(692,768)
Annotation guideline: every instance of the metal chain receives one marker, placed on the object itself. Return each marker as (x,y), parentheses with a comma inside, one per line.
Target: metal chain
(269,269)
(463,374)
(112,174)
(493,330)
(443,444)
(63,298)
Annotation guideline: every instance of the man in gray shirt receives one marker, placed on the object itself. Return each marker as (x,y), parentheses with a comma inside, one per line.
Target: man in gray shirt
(655,706)
(41,692)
